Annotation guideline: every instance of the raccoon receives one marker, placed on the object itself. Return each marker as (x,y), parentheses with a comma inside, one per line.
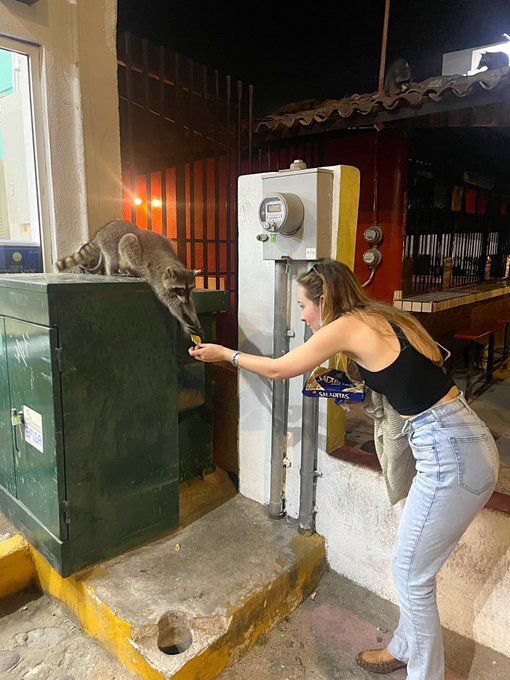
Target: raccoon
(493,60)
(398,78)
(122,248)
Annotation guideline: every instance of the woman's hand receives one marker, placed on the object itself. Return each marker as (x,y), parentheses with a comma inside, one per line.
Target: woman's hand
(210,353)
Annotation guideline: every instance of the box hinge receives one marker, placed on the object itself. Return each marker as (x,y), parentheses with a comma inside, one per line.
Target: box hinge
(59,358)
(66,511)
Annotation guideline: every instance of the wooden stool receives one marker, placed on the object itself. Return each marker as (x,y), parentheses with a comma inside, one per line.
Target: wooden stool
(474,336)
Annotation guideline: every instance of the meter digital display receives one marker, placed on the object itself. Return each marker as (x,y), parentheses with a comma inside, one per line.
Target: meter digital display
(282,213)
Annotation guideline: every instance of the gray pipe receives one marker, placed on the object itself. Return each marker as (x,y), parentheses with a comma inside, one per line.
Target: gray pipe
(309,444)
(280,394)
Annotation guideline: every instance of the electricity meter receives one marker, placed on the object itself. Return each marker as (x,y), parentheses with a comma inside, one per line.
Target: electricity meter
(282,213)
(373,234)
(372,257)
(295,211)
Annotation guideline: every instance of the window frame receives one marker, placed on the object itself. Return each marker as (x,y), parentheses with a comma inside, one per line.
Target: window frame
(40,142)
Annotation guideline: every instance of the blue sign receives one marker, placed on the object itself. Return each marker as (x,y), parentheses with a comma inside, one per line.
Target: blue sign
(20,259)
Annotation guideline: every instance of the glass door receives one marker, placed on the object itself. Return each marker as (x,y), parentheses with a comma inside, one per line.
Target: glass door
(21,210)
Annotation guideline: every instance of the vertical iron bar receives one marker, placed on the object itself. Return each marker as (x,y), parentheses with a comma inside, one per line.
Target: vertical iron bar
(191,162)
(251,95)
(146,108)
(180,178)
(148,196)
(228,182)
(437,258)
(129,110)
(460,255)
(162,111)
(205,123)
(164,212)
(238,135)
(217,249)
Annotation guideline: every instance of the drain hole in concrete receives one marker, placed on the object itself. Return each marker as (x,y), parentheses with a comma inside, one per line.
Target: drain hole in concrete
(174,635)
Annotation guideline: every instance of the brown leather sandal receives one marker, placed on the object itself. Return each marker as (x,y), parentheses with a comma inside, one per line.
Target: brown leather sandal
(382,667)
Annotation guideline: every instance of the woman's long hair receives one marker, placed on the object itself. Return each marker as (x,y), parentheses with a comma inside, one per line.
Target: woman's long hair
(343,294)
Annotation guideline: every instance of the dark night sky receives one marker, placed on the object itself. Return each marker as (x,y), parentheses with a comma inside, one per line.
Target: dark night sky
(294,51)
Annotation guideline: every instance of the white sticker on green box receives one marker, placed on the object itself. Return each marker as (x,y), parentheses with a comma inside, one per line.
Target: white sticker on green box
(33,428)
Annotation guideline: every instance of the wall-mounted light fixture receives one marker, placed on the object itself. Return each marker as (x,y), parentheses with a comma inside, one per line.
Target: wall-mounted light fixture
(137,201)
(156,203)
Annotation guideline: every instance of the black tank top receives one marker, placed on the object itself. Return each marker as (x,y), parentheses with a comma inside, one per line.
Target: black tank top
(412,383)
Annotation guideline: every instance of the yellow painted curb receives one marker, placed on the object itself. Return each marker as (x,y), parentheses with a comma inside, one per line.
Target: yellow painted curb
(247,622)
(96,619)
(17,569)
(261,612)
(135,646)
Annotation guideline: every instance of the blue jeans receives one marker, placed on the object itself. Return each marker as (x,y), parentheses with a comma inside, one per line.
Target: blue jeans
(457,465)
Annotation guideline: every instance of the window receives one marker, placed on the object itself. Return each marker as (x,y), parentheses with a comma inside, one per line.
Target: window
(21,228)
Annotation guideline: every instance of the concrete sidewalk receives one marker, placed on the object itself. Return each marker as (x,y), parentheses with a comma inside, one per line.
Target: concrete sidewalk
(321,638)
(186,606)
(218,599)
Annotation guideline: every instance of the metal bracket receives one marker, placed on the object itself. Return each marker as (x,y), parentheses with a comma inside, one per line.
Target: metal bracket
(289,333)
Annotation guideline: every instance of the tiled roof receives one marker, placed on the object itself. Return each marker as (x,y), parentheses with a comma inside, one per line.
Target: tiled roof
(435,89)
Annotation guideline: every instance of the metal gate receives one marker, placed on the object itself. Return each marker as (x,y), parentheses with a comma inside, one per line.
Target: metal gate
(185,135)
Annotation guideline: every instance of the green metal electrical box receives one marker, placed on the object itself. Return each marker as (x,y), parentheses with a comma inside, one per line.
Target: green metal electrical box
(195,391)
(89,440)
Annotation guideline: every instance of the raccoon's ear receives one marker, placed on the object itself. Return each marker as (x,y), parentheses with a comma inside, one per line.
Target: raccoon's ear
(168,275)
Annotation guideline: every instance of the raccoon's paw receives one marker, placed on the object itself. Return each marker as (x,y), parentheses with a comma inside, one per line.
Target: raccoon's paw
(129,272)
(193,329)
(187,330)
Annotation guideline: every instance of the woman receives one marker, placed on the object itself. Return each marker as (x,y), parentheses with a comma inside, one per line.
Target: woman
(456,456)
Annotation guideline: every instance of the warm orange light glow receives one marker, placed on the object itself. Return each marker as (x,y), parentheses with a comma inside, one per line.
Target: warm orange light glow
(137,201)
(156,203)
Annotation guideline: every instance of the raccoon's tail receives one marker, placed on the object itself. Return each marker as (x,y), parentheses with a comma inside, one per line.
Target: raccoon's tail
(89,256)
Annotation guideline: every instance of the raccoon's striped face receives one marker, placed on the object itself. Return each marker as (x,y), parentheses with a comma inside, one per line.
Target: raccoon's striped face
(183,293)
(180,282)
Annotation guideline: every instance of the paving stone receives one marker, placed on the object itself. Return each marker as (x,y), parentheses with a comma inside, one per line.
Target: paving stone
(42,641)
(8,660)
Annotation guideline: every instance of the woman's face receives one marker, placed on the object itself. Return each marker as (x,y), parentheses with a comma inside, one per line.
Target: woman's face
(310,312)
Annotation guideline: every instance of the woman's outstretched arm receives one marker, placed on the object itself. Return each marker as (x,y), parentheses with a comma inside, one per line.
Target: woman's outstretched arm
(323,344)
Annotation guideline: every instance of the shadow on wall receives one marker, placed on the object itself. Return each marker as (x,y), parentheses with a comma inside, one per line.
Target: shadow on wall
(483,554)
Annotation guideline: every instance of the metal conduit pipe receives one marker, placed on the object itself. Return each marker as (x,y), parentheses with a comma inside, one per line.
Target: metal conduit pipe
(280,404)
(308,472)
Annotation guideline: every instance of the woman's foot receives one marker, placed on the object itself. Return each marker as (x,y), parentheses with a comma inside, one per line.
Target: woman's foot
(379,661)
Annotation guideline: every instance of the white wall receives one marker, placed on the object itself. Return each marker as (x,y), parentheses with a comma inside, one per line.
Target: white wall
(465,62)
(79,113)
(353,511)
